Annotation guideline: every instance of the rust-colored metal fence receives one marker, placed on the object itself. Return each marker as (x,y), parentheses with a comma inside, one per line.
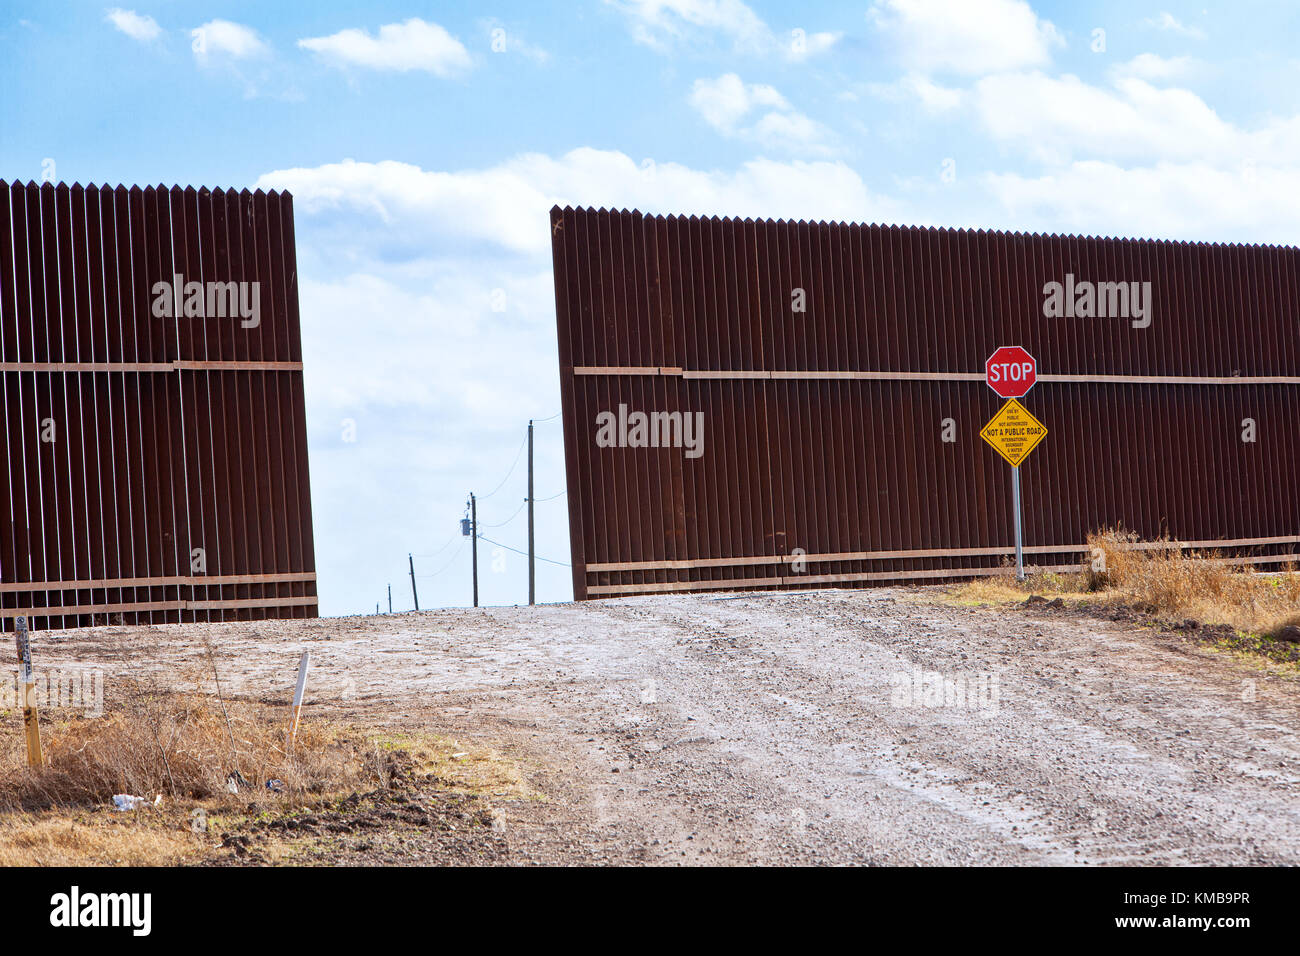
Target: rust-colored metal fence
(823,460)
(154,421)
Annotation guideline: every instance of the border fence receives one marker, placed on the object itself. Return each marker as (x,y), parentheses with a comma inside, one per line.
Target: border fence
(836,373)
(154,421)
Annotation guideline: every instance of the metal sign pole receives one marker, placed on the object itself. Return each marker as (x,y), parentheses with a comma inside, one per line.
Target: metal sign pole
(1015,506)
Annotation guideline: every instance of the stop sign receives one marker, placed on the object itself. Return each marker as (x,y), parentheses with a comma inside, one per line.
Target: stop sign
(1010,371)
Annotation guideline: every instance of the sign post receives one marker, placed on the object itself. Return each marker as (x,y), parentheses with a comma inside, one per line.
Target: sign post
(1013,432)
(296,714)
(27,681)
(1015,506)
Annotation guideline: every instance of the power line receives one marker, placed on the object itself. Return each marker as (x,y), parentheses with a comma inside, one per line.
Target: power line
(521,507)
(543,421)
(434,554)
(524,553)
(448,564)
(511,518)
(508,473)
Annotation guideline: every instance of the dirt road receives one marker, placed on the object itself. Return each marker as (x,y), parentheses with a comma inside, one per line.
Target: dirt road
(806,727)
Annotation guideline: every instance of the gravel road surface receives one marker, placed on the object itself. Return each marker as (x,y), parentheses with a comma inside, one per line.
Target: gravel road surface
(864,727)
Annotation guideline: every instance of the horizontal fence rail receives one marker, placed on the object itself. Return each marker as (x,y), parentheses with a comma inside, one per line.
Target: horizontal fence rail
(836,374)
(151,361)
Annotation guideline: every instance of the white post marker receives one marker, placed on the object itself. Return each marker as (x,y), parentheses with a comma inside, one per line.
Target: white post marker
(297,701)
(28,682)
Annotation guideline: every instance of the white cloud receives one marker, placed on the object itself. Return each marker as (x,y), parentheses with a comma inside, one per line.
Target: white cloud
(1191,201)
(224,38)
(137,26)
(503,39)
(1149,66)
(438,310)
(1167,21)
(932,97)
(791,133)
(1056,118)
(804,45)
(1139,160)
(664,25)
(726,101)
(413,45)
(506,206)
(965,36)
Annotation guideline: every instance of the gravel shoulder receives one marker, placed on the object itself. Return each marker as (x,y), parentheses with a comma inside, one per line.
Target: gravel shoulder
(807,727)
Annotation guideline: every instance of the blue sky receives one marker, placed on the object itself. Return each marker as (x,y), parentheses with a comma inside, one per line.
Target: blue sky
(424,143)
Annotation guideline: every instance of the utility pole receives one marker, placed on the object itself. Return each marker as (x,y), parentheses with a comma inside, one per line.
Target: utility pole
(414,596)
(473,541)
(532,567)
(390,599)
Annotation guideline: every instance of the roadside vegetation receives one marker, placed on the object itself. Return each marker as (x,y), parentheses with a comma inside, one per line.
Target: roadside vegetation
(1234,606)
(210,772)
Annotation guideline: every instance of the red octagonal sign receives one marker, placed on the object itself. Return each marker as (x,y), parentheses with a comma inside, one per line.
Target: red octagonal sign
(1010,371)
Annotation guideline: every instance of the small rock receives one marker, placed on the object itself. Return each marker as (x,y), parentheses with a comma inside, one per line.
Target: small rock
(1290,634)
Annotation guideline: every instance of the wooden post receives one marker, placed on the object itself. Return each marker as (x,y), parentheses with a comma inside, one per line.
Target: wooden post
(415,597)
(297,701)
(532,565)
(27,681)
(473,542)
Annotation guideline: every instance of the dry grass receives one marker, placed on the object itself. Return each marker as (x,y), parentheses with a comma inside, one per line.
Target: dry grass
(178,745)
(1004,589)
(481,771)
(53,839)
(1161,579)
(178,749)
(183,747)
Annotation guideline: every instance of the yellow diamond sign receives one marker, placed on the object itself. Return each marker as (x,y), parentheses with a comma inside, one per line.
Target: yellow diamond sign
(1013,432)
